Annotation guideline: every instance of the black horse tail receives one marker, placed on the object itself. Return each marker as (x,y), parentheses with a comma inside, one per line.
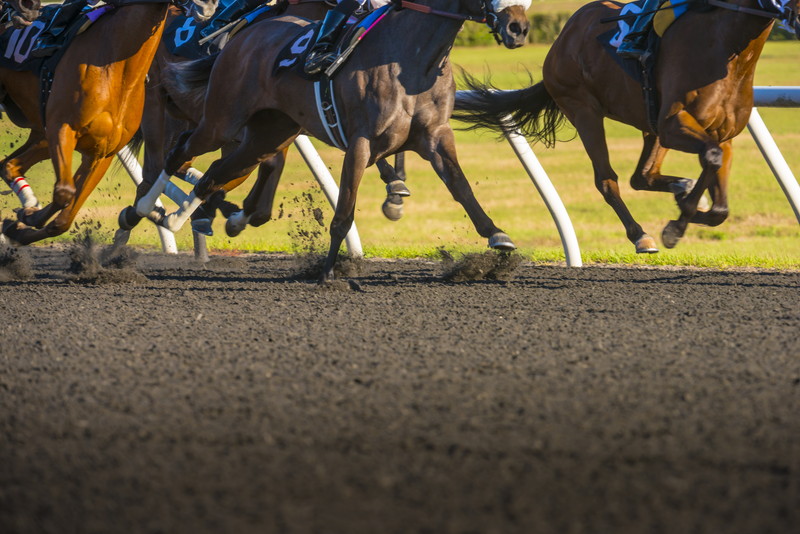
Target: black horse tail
(190,78)
(531,111)
(136,142)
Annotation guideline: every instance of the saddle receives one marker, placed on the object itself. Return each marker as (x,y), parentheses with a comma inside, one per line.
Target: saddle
(293,55)
(644,72)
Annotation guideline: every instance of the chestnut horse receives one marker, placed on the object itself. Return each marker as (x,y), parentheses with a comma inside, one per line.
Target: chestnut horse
(168,113)
(704,78)
(95,108)
(395,94)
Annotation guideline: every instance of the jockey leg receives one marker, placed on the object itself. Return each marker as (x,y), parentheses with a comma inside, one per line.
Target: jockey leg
(47,42)
(634,45)
(322,53)
(229,13)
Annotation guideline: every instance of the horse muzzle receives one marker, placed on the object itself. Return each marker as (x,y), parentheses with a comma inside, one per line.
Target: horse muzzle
(512,25)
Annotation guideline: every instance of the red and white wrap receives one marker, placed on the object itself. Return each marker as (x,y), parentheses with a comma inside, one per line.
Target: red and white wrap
(23,190)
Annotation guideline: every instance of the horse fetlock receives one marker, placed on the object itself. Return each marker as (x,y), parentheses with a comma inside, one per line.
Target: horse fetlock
(715,216)
(672,233)
(128,218)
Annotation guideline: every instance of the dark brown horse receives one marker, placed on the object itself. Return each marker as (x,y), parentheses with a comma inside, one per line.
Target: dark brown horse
(169,113)
(703,77)
(395,94)
(95,108)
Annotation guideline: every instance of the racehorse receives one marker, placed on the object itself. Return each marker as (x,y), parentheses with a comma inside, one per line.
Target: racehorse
(94,107)
(704,71)
(394,94)
(168,113)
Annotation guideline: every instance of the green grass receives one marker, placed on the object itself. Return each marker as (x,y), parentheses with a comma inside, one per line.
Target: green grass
(761,231)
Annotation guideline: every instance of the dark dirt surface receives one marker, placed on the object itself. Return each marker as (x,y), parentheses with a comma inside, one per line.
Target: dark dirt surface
(234,399)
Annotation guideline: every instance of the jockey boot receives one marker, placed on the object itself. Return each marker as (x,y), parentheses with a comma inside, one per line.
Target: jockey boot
(47,43)
(322,53)
(634,45)
(231,12)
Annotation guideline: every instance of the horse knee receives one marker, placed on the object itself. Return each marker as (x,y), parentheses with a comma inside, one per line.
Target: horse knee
(712,157)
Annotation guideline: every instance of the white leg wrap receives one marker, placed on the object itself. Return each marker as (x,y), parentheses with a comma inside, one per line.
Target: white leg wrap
(148,202)
(192,176)
(174,221)
(24,192)
(175,194)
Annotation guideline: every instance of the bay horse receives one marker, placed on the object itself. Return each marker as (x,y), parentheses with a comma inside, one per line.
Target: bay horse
(168,113)
(704,72)
(95,107)
(395,94)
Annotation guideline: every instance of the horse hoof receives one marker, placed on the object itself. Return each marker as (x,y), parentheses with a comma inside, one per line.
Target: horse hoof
(128,218)
(121,237)
(12,230)
(393,207)
(202,226)
(397,187)
(501,241)
(671,234)
(646,245)
(236,223)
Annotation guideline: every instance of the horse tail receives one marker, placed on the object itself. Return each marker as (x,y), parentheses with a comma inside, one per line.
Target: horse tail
(531,111)
(190,78)
(136,142)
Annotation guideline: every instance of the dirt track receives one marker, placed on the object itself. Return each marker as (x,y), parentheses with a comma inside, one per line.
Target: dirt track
(233,399)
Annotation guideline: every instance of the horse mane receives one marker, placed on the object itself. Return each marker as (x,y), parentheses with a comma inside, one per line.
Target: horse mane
(190,78)
(531,111)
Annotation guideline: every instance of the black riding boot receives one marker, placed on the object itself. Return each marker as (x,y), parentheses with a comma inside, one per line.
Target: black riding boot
(47,42)
(634,45)
(228,14)
(322,53)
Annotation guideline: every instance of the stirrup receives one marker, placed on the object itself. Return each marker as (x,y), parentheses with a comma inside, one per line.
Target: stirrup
(317,62)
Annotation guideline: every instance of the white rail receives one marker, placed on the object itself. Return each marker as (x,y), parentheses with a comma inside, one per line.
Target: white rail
(778,97)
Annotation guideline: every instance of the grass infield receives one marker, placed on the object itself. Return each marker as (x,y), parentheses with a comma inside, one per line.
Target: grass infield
(760,232)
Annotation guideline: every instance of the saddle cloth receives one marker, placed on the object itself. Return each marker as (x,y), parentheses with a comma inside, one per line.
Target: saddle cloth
(294,54)
(182,36)
(16,44)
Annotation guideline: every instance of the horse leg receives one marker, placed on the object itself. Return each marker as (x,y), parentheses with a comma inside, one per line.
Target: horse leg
(592,133)
(271,129)
(395,187)
(681,131)
(257,207)
(648,177)
(718,189)
(14,167)
(355,163)
(88,176)
(61,149)
(444,161)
